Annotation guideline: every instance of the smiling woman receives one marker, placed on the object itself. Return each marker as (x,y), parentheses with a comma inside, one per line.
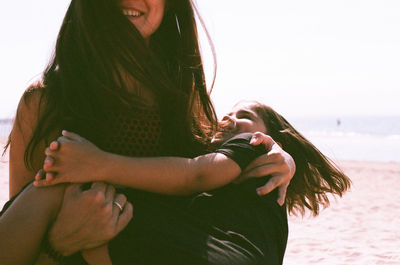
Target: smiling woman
(128,76)
(145,15)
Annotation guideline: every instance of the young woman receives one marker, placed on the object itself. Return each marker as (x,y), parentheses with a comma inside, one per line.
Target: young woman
(127,75)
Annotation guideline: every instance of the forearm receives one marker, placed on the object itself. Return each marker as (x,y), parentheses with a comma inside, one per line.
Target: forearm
(25,222)
(170,175)
(166,175)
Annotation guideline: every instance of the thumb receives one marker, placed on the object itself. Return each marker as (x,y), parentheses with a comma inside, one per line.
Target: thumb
(255,139)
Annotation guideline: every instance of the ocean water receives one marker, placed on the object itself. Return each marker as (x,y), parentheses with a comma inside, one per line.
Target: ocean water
(350,138)
(5,127)
(358,138)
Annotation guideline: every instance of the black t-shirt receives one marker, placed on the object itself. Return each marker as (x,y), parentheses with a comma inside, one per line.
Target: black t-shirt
(237,208)
(239,149)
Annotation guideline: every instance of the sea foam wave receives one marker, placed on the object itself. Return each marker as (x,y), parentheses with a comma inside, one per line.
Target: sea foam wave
(350,134)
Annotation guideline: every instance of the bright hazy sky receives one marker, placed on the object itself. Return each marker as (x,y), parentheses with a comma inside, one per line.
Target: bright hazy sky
(303,57)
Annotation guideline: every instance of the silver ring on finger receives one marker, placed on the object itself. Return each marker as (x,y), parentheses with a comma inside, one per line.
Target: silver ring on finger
(118,205)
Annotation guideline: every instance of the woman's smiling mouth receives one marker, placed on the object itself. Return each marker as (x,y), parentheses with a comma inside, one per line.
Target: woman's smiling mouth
(132,13)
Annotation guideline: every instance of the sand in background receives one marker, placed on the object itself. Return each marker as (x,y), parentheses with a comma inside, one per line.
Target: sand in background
(362,228)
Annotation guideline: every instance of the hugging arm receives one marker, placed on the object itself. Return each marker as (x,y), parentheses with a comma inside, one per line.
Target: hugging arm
(167,175)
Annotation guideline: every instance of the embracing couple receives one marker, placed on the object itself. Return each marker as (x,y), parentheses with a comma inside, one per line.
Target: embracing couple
(116,156)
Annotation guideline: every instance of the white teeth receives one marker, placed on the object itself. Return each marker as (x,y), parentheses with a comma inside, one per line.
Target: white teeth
(132,13)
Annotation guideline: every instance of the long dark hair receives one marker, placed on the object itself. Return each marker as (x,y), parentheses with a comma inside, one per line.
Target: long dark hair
(96,45)
(315,176)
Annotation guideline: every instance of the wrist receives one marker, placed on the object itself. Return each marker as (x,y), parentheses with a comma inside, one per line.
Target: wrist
(51,253)
(60,244)
(105,166)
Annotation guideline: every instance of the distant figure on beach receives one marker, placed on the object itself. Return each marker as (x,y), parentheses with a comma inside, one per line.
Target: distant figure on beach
(128,76)
(338,122)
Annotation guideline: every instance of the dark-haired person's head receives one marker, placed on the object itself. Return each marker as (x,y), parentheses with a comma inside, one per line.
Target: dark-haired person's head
(109,53)
(315,176)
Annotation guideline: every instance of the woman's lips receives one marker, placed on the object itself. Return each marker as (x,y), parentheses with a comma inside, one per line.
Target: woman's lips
(132,13)
(131,9)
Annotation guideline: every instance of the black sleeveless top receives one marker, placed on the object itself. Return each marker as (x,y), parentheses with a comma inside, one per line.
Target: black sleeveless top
(135,133)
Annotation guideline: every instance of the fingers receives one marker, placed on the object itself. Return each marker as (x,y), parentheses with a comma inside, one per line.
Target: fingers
(50,176)
(46,176)
(43,183)
(50,152)
(72,136)
(109,193)
(260,171)
(73,190)
(119,201)
(256,139)
(270,186)
(264,165)
(98,187)
(48,180)
(40,175)
(49,162)
(40,179)
(267,159)
(282,194)
(43,179)
(261,138)
(66,136)
(125,216)
(54,146)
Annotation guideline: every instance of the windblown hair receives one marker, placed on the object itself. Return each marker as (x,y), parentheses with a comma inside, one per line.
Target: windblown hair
(315,176)
(97,47)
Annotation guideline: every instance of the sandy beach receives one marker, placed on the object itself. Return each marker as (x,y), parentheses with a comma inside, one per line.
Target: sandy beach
(361,228)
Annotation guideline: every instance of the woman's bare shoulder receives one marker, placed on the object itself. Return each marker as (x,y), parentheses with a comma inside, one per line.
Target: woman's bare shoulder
(25,123)
(29,106)
(32,97)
